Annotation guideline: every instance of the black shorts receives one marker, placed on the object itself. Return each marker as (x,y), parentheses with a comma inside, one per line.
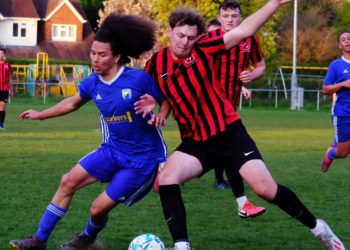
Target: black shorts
(4,96)
(231,148)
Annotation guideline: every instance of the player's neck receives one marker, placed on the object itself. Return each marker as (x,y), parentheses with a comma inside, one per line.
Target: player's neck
(346,55)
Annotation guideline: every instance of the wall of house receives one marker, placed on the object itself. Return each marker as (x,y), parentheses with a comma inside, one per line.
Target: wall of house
(63,16)
(6,31)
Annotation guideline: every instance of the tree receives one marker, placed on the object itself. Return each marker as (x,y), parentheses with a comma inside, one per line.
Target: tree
(316,39)
(91,8)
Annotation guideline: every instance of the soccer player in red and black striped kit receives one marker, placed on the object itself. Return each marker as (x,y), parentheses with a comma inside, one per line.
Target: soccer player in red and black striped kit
(5,85)
(212,132)
(232,71)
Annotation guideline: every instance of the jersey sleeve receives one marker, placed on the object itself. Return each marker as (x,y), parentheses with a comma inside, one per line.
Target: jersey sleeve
(331,75)
(211,42)
(85,88)
(256,55)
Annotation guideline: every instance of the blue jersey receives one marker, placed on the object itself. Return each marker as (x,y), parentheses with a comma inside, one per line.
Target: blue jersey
(123,131)
(339,71)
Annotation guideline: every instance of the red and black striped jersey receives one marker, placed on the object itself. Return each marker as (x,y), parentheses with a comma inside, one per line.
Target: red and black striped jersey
(199,106)
(229,65)
(5,76)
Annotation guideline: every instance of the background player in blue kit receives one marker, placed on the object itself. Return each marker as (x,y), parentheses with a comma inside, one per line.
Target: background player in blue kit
(338,81)
(131,150)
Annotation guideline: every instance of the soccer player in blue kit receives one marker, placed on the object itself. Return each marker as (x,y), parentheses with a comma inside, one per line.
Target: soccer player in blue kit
(338,81)
(131,150)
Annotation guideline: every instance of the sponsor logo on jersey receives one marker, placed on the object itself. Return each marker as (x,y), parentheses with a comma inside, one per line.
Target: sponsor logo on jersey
(126,94)
(119,118)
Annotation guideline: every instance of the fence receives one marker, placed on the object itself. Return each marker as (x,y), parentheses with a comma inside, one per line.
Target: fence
(280,98)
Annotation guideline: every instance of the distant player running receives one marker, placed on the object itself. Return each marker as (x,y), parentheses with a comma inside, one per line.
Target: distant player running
(338,81)
(132,149)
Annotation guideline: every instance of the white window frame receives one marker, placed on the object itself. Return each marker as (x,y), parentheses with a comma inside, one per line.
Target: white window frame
(60,28)
(20,26)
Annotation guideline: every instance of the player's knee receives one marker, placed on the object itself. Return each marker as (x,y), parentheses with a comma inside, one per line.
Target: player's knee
(96,211)
(67,184)
(267,192)
(343,153)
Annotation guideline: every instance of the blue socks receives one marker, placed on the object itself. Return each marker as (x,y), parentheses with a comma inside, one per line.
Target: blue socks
(91,230)
(51,216)
(330,154)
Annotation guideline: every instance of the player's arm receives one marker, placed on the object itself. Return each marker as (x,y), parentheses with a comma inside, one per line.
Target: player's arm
(160,118)
(330,89)
(65,106)
(252,23)
(257,72)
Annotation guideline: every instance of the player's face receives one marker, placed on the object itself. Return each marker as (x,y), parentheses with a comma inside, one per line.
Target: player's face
(344,42)
(182,39)
(229,19)
(103,60)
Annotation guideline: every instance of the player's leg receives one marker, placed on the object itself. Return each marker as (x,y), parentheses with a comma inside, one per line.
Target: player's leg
(341,146)
(179,168)
(96,223)
(3,100)
(219,181)
(76,178)
(259,179)
(130,183)
(245,208)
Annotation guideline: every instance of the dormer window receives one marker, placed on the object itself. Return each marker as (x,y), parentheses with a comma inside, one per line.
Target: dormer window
(64,32)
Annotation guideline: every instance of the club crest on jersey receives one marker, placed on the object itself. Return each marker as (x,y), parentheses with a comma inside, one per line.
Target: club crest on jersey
(246,46)
(126,94)
(345,71)
(190,60)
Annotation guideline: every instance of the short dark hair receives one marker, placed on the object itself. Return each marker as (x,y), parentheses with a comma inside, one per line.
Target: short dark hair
(214,22)
(230,4)
(128,35)
(187,16)
(343,32)
(4,50)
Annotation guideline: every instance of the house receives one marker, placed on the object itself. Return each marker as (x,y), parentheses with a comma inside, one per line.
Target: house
(58,27)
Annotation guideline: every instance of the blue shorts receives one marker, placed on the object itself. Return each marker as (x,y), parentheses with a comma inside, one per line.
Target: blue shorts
(341,126)
(128,181)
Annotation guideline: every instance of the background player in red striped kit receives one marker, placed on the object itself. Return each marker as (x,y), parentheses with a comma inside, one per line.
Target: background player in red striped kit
(232,71)
(5,85)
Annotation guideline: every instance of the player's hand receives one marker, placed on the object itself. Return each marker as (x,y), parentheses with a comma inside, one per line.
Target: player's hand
(246,76)
(157,120)
(145,105)
(30,114)
(246,93)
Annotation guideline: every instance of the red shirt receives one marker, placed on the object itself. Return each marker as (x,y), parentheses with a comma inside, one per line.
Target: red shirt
(229,65)
(199,106)
(5,76)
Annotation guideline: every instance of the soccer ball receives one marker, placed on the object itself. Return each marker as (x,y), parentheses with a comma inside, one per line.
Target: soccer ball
(146,242)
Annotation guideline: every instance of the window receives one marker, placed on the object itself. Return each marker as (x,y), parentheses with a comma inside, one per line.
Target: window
(64,32)
(19,30)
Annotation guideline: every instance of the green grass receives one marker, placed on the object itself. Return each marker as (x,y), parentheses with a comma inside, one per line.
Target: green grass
(34,155)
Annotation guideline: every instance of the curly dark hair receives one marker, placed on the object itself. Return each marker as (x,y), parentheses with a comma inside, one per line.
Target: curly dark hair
(187,16)
(128,35)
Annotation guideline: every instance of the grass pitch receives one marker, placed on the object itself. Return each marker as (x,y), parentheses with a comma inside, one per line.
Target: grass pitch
(34,155)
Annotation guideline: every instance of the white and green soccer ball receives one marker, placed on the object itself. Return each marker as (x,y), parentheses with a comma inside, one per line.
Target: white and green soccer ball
(146,242)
